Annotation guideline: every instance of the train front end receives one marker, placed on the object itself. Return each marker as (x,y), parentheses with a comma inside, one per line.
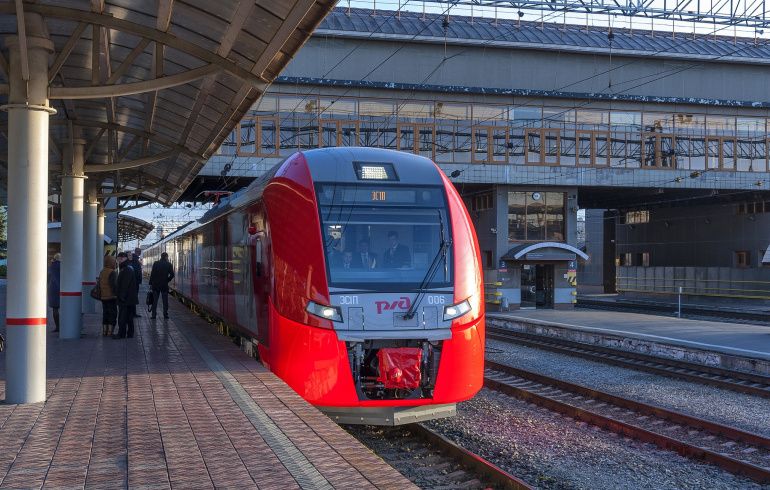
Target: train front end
(404,291)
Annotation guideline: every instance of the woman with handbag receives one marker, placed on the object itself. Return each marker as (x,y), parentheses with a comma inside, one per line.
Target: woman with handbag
(106,285)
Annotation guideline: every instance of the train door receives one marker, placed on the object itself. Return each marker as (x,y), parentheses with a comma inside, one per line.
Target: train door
(537,286)
(528,286)
(260,275)
(239,270)
(544,286)
(222,268)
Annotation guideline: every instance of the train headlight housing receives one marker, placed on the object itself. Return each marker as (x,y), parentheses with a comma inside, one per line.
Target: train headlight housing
(332,313)
(457,310)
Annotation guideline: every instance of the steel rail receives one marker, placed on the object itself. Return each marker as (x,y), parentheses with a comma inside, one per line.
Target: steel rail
(753,384)
(565,398)
(480,466)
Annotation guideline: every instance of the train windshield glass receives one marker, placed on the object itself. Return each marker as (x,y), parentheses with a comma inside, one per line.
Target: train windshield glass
(384,237)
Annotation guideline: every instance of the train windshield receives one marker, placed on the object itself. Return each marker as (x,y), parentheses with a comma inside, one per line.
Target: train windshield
(385,237)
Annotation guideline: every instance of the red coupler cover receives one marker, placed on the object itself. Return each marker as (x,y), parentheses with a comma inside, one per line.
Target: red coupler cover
(400,367)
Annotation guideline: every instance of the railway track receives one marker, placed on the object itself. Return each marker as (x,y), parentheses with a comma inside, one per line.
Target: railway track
(734,450)
(432,461)
(753,384)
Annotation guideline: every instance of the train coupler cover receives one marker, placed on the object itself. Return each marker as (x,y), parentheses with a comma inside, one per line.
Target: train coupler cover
(400,367)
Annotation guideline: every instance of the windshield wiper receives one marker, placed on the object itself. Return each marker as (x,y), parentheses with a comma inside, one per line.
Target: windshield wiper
(440,254)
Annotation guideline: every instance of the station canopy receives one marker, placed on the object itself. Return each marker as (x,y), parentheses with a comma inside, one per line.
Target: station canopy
(131,228)
(154,86)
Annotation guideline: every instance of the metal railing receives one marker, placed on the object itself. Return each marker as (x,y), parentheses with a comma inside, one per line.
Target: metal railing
(726,282)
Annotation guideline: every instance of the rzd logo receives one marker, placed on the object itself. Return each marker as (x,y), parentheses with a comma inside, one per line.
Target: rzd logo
(402,303)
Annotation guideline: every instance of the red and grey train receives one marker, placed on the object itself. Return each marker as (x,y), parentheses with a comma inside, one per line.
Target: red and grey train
(355,272)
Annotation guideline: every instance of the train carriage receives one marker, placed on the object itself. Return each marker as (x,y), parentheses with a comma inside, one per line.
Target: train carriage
(355,272)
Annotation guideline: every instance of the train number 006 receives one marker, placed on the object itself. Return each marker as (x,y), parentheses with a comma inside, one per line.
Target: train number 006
(436,300)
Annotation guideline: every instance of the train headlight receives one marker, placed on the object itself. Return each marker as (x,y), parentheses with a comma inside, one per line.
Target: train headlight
(455,311)
(332,313)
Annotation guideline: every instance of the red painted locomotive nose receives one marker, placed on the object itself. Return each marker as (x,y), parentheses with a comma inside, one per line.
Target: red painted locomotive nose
(396,374)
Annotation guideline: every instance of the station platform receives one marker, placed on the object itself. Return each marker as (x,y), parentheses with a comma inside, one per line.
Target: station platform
(178,406)
(730,345)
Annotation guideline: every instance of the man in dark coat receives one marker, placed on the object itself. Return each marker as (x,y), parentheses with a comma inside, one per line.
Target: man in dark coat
(136,264)
(128,297)
(54,288)
(162,273)
(397,254)
(135,261)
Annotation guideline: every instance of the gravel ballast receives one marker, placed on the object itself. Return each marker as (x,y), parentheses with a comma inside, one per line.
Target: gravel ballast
(549,450)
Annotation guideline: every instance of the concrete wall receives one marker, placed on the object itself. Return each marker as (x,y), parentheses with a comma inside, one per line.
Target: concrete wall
(703,236)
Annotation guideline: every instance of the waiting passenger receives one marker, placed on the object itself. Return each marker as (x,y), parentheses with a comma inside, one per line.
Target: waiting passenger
(397,254)
(161,274)
(364,259)
(128,297)
(54,288)
(108,284)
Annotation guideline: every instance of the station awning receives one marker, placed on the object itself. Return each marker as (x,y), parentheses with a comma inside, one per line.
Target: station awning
(132,228)
(544,251)
(154,87)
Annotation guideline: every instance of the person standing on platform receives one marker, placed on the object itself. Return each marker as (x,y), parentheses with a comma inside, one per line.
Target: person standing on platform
(108,284)
(128,297)
(161,274)
(54,288)
(135,261)
(136,264)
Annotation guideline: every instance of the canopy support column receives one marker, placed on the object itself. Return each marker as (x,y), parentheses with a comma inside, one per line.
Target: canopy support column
(28,113)
(89,250)
(73,181)
(99,262)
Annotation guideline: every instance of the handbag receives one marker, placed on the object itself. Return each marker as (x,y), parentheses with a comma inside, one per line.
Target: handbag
(96,291)
(150,299)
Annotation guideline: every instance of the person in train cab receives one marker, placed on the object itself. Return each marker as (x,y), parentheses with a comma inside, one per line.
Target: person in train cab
(397,254)
(54,288)
(334,252)
(128,297)
(108,284)
(135,261)
(363,258)
(347,260)
(161,274)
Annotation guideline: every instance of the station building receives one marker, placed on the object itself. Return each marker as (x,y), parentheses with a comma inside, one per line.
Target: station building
(661,138)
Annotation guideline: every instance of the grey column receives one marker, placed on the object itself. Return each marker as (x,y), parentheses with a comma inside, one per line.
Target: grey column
(89,249)
(28,113)
(72,199)
(99,262)
(111,221)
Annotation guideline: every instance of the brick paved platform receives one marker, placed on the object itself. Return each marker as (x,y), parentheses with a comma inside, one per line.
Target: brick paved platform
(176,406)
